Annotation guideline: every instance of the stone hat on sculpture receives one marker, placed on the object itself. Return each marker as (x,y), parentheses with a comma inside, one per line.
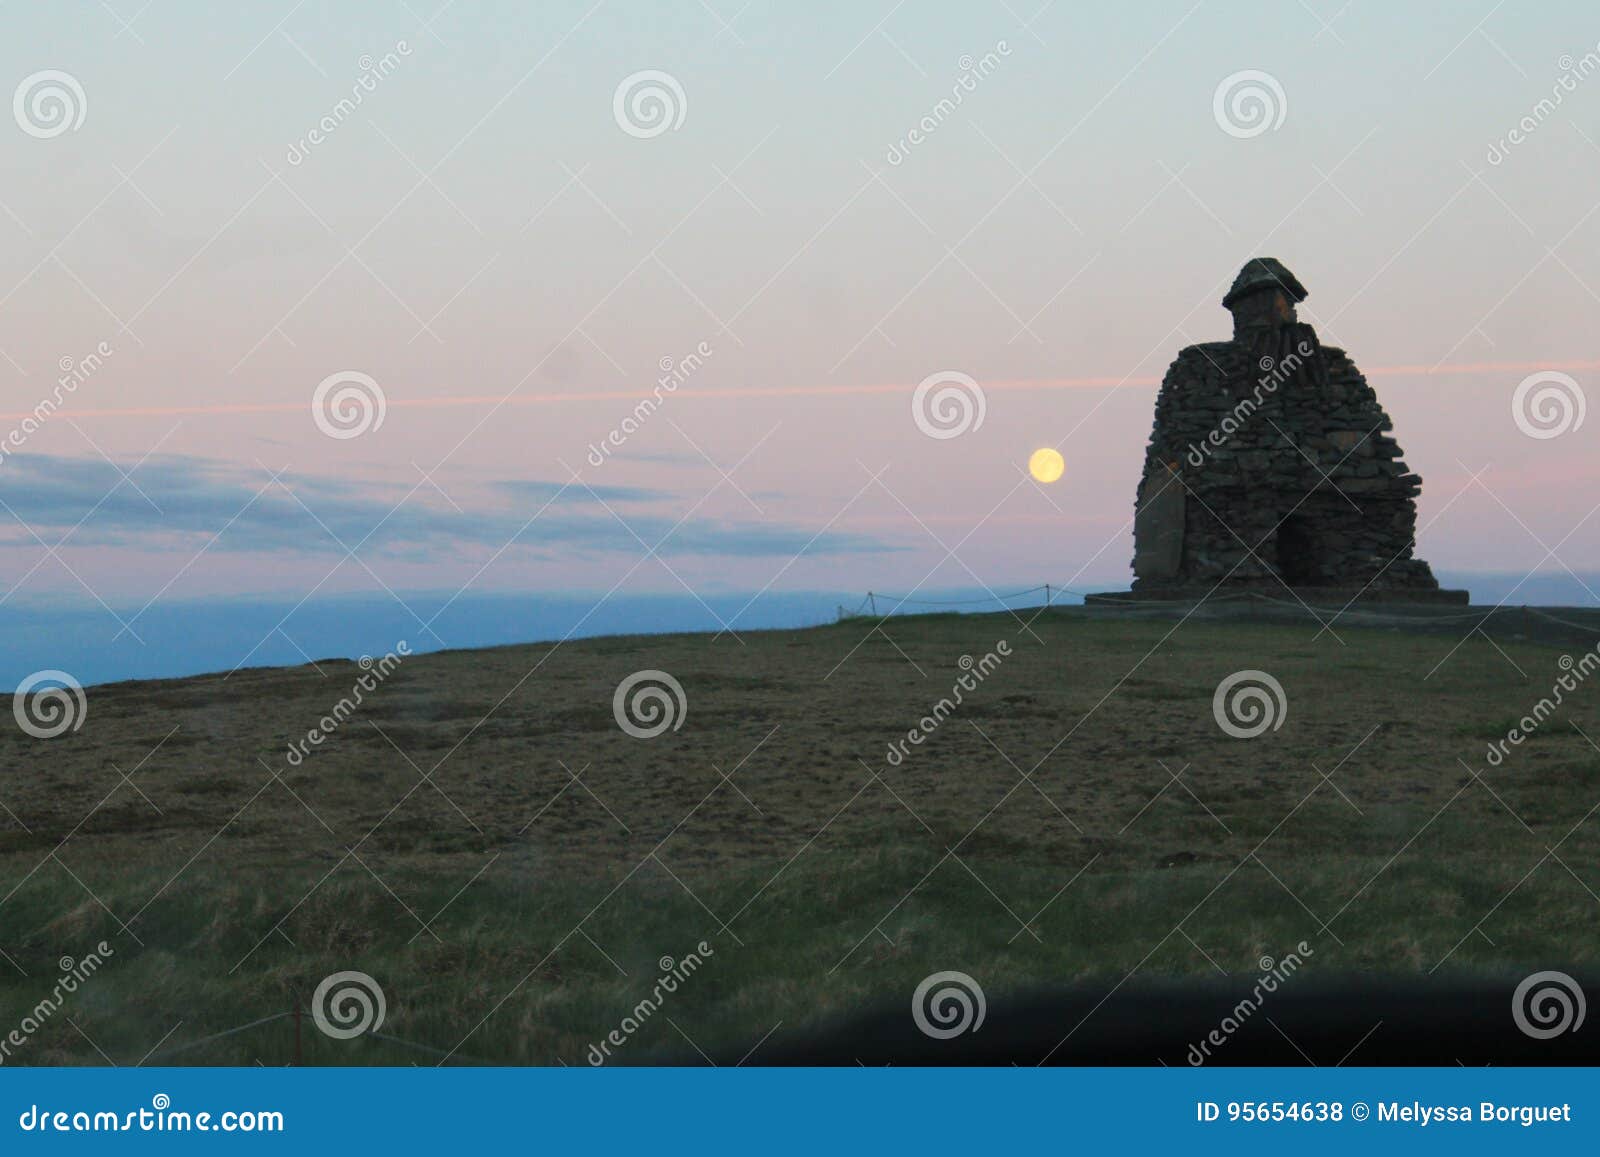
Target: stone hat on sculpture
(1264,273)
(1270,469)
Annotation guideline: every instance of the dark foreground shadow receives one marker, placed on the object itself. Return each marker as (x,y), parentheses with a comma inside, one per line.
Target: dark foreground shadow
(1351,1021)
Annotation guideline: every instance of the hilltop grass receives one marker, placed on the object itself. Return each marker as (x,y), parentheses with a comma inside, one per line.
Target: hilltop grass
(513,914)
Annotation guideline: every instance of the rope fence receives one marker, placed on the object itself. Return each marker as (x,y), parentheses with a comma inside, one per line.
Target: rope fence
(1538,614)
(870,603)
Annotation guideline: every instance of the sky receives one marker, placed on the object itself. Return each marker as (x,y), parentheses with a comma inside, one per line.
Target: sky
(456,217)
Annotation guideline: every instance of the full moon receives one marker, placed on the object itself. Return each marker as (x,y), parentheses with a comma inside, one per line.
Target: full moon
(1046,465)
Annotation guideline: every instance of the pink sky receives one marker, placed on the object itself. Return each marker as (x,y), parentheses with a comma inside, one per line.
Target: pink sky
(485,240)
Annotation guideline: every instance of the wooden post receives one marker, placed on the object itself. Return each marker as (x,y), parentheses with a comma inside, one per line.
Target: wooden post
(298,1057)
(1047,594)
(871,598)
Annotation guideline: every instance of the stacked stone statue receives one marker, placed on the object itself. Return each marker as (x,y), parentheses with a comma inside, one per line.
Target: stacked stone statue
(1271,465)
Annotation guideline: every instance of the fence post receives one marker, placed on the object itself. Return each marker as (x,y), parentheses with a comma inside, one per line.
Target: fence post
(871,598)
(1047,594)
(298,1057)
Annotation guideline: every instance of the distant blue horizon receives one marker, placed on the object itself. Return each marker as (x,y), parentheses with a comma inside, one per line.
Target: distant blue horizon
(185,638)
(205,636)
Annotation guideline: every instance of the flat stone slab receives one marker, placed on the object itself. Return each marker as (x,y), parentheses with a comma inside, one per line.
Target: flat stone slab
(1312,596)
(1158,529)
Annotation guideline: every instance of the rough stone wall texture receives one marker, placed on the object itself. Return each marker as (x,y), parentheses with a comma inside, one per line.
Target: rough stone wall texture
(1271,463)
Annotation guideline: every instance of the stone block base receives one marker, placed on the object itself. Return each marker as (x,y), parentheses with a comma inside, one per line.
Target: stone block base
(1312,596)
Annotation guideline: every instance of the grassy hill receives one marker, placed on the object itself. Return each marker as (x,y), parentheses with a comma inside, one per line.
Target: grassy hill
(481,837)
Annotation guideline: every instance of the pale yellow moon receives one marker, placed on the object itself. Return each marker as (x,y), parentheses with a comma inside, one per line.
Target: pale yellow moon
(1046,465)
